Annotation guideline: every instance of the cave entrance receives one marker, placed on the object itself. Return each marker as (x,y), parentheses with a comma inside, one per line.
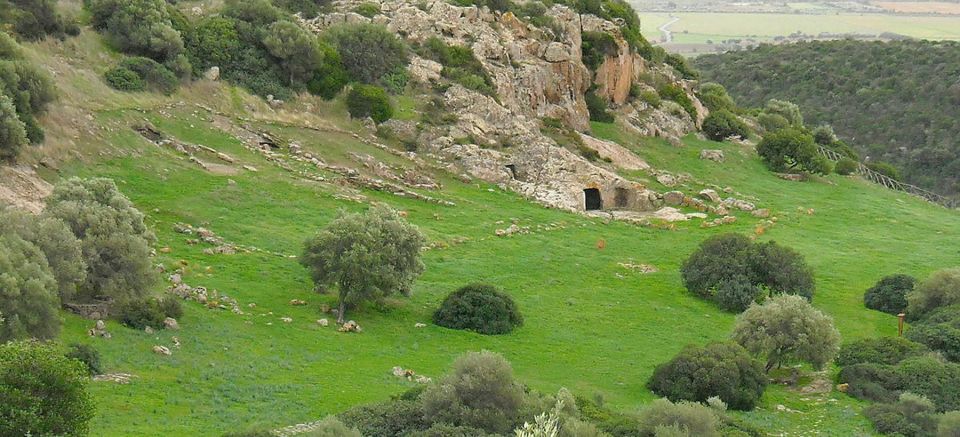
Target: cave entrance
(621,197)
(513,170)
(592,199)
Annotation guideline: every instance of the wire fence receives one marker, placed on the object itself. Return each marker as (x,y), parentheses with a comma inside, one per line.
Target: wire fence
(893,184)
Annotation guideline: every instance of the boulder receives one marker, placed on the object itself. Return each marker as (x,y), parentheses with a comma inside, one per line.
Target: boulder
(742,205)
(761,213)
(420,325)
(148,330)
(323,322)
(424,70)
(171,324)
(161,350)
(212,74)
(673,198)
(712,155)
(710,195)
(350,326)
(667,179)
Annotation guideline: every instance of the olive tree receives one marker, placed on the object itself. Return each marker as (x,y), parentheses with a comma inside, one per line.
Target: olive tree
(480,393)
(43,391)
(296,50)
(791,149)
(60,247)
(786,329)
(114,240)
(28,292)
(364,256)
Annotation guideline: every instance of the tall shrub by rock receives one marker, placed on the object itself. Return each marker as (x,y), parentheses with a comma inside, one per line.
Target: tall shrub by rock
(941,289)
(369,101)
(29,303)
(480,393)
(57,243)
(364,257)
(480,308)
(139,27)
(787,329)
(114,240)
(722,124)
(725,370)
(13,135)
(368,51)
(44,393)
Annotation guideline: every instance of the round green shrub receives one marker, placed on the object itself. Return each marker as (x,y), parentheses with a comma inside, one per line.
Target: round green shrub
(883,350)
(480,308)
(87,355)
(697,373)
(369,101)
(846,166)
(124,79)
(141,313)
(889,294)
(722,124)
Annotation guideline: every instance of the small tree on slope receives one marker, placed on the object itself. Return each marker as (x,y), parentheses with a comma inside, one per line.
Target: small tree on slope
(365,257)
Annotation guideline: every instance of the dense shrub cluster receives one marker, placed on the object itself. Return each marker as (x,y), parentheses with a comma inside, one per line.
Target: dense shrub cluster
(369,52)
(734,271)
(791,149)
(677,94)
(141,313)
(141,28)
(43,391)
(910,416)
(597,46)
(87,355)
(460,65)
(597,107)
(369,101)
(846,166)
(722,124)
(890,96)
(883,350)
(941,289)
(480,308)
(35,19)
(725,370)
(25,91)
(939,330)
(139,74)
(715,97)
(889,294)
(30,302)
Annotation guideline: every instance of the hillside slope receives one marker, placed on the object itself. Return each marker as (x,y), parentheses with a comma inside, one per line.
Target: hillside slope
(894,101)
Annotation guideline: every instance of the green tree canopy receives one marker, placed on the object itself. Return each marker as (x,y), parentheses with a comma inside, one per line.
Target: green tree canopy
(364,257)
(28,292)
(791,149)
(368,51)
(787,329)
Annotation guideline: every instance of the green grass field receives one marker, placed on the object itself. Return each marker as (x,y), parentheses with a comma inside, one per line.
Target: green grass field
(701,27)
(592,325)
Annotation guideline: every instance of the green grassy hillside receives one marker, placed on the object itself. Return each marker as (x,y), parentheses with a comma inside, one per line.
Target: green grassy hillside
(591,325)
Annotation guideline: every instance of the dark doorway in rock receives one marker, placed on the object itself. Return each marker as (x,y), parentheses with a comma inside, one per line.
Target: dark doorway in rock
(513,170)
(592,199)
(620,197)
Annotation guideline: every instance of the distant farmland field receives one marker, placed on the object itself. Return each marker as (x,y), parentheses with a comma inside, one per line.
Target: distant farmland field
(699,29)
(921,7)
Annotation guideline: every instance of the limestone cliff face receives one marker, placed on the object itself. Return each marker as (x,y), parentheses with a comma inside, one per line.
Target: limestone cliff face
(537,73)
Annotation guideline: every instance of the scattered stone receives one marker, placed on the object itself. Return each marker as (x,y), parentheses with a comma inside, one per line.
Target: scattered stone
(212,74)
(119,378)
(350,326)
(286,319)
(640,268)
(161,350)
(323,322)
(148,330)
(710,195)
(712,155)
(176,342)
(843,387)
(165,250)
(99,330)
(742,205)
(298,302)
(512,230)
(761,213)
(670,214)
(673,198)
(667,179)
(250,168)
(420,325)
(793,177)
(171,324)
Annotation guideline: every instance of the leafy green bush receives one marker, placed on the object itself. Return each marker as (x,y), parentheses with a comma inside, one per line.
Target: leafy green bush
(123,79)
(882,350)
(597,106)
(910,416)
(949,425)
(886,169)
(368,51)
(942,288)
(722,124)
(332,427)
(214,41)
(460,65)
(385,419)
(445,430)
(43,392)
(13,135)
(306,8)
(480,393)
(734,271)
(772,122)
(137,27)
(30,303)
(931,377)
(939,330)
(889,294)
(696,419)
(875,382)
(369,101)
(846,166)
(30,90)
(58,245)
(139,314)
(35,19)
(791,149)
(88,355)
(677,94)
(596,47)
(480,308)
(650,97)
(725,370)
(715,97)
(679,63)
(368,9)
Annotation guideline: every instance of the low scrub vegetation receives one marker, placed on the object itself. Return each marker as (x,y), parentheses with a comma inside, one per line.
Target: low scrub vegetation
(890,294)
(480,308)
(25,92)
(724,370)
